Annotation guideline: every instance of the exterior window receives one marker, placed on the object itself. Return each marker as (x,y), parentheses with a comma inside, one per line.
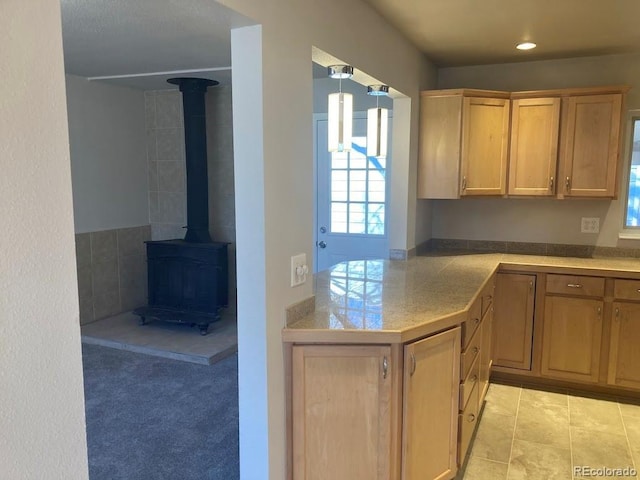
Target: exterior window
(632,217)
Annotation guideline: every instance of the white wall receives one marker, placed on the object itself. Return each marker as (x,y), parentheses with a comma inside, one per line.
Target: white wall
(274,180)
(533,220)
(41,393)
(108,155)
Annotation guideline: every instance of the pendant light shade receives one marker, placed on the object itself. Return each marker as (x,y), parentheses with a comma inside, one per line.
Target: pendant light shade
(377,124)
(377,131)
(340,112)
(340,121)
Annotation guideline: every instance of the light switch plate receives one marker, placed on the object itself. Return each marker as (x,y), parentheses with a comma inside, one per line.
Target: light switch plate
(590,225)
(298,261)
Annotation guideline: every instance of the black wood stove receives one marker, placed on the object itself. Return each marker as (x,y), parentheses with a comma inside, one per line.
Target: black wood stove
(188,279)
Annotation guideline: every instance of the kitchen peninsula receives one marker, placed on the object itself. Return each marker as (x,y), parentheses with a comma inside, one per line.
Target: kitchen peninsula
(393,364)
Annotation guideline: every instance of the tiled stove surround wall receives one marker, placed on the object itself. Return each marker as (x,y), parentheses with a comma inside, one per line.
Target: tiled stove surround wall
(112,271)
(167,177)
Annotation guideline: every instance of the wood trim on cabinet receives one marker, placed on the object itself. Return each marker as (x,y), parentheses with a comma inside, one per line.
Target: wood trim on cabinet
(465,92)
(565,92)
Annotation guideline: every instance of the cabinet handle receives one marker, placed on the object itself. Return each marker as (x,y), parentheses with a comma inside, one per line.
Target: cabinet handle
(574,285)
(464,183)
(476,321)
(474,379)
(385,367)
(471,418)
(475,350)
(638,290)
(413,365)
(551,182)
(531,285)
(599,311)
(567,183)
(617,313)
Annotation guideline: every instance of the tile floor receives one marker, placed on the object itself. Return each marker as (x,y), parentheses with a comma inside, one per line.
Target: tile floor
(169,340)
(533,434)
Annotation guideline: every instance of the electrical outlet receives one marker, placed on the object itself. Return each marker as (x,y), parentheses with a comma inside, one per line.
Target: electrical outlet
(590,225)
(299,269)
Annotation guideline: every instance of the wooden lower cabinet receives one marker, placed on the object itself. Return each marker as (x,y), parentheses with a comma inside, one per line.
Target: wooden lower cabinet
(343,399)
(513,320)
(624,353)
(341,414)
(486,360)
(430,406)
(572,334)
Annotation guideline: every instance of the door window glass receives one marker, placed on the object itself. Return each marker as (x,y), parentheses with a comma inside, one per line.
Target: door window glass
(358,191)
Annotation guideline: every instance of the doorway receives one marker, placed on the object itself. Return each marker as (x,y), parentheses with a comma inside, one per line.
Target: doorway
(352,191)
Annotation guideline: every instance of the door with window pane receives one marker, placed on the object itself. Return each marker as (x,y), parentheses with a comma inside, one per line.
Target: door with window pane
(351,200)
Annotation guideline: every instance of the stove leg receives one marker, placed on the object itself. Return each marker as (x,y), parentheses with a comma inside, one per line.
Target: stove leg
(142,321)
(203,329)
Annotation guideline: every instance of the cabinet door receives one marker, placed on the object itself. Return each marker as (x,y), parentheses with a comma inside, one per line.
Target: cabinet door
(485,127)
(430,423)
(513,320)
(439,156)
(341,412)
(485,354)
(624,354)
(590,143)
(572,332)
(535,127)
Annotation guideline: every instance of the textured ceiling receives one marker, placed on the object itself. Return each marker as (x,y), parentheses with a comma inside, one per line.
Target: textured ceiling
(471,32)
(125,37)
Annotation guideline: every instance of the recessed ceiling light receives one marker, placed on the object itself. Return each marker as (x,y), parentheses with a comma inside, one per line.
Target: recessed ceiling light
(526,46)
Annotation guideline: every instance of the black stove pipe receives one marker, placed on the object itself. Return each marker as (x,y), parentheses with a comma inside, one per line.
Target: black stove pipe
(195,137)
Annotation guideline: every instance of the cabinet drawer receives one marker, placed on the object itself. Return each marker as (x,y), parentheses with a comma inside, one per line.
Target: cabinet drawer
(487,296)
(473,321)
(627,289)
(469,384)
(469,354)
(467,421)
(575,285)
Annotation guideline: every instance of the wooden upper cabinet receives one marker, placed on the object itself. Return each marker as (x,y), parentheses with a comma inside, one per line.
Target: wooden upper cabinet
(590,141)
(439,158)
(485,127)
(535,127)
(463,143)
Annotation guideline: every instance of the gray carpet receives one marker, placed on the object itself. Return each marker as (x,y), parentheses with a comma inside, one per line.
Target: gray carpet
(151,418)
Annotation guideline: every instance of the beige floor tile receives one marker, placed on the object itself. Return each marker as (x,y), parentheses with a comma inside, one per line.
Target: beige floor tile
(494,436)
(629,409)
(502,399)
(535,461)
(541,397)
(543,423)
(595,415)
(599,449)
(483,469)
(632,427)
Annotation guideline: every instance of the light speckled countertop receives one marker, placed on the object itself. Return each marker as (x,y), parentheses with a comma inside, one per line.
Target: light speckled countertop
(383,301)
